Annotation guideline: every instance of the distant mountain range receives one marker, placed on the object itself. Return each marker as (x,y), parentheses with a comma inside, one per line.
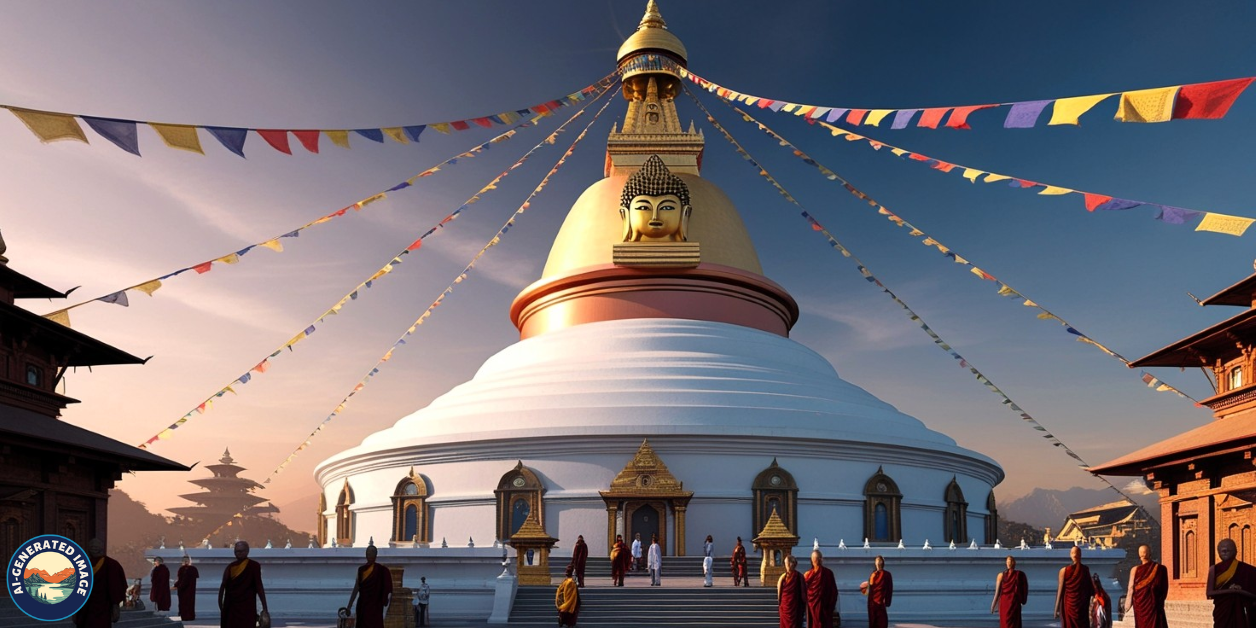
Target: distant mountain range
(39,575)
(1048,508)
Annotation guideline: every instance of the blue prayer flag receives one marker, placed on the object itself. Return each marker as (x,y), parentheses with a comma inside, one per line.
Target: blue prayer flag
(231,138)
(121,132)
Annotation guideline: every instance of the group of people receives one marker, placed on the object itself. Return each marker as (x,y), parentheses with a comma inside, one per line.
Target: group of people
(814,595)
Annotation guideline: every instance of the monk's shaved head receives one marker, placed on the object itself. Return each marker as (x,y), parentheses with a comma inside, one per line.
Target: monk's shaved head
(1226,549)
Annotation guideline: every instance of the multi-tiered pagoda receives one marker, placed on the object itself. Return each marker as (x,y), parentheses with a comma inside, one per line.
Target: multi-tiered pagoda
(226,494)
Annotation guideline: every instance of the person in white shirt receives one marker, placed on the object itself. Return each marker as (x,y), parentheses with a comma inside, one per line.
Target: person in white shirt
(421,596)
(655,563)
(708,560)
(636,552)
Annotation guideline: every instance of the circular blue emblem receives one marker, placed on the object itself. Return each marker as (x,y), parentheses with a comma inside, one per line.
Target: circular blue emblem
(49,577)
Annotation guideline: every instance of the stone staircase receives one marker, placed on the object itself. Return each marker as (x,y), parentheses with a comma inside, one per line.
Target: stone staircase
(636,607)
(598,569)
(1186,613)
(12,617)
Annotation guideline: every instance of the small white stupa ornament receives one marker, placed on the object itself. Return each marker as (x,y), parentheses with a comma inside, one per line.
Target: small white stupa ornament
(926,545)
(973,545)
(162,543)
(1048,545)
(370,542)
(470,542)
(901,546)
(952,545)
(866,545)
(334,545)
(841,544)
(997,545)
(288,545)
(815,544)
(1023,544)
(415,541)
(311,543)
(181,544)
(268,544)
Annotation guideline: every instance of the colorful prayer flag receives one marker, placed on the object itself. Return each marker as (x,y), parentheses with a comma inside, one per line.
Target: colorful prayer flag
(50,127)
(932,117)
(1024,115)
(277,139)
(1147,105)
(180,136)
(1068,110)
(231,138)
(1221,223)
(959,116)
(308,139)
(121,132)
(1208,101)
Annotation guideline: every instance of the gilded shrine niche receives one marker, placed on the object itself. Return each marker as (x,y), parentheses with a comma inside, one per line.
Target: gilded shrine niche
(991,520)
(320,524)
(411,518)
(775,491)
(520,493)
(344,517)
(642,499)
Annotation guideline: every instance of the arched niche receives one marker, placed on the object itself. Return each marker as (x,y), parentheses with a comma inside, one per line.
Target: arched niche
(992,519)
(411,518)
(774,489)
(883,505)
(955,518)
(519,493)
(344,517)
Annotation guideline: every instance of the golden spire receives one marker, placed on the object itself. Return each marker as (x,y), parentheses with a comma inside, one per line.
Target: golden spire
(652,17)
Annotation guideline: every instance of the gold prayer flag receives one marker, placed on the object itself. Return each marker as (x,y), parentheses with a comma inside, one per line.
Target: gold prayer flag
(229,259)
(1052,190)
(1068,110)
(273,245)
(180,136)
(991,178)
(1147,105)
(150,287)
(898,151)
(1222,223)
(972,173)
(339,138)
(397,134)
(60,316)
(50,127)
(443,127)
(876,116)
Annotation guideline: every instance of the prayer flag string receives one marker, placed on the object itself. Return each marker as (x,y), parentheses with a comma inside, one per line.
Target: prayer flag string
(1212,221)
(1003,289)
(494,241)
(867,274)
(264,364)
(51,126)
(1197,101)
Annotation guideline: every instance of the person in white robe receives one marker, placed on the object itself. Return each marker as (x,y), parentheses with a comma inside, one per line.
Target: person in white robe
(708,561)
(655,563)
(636,552)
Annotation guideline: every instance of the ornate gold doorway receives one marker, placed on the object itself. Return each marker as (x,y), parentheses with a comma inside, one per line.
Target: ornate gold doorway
(642,499)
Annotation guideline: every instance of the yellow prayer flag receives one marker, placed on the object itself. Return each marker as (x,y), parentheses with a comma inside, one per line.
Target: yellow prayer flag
(50,127)
(295,339)
(1052,190)
(1147,105)
(751,100)
(229,259)
(972,173)
(368,201)
(1163,388)
(789,108)
(834,131)
(397,134)
(876,116)
(60,316)
(165,434)
(898,151)
(1068,110)
(443,127)
(1046,316)
(180,136)
(149,287)
(1029,303)
(917,232)
(273,245)
(1222,223)
(991,178)
(339,138)
(1007,291)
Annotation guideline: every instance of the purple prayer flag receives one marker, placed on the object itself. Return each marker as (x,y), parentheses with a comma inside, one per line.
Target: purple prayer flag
(1176,215)
(836,114)
(524,112)
(776,106)
(309,330)
(902,117)
(118,298)
(120,132)
(413,132)
(292,234)
(244,379)
(399,186)
(1024,115)
(1118,204)
(231,138)
(375,135)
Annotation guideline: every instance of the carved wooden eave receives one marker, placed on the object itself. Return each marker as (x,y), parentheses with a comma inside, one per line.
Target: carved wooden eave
(646,476)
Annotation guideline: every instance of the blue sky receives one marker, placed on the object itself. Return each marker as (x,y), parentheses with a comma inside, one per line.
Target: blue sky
(96,216)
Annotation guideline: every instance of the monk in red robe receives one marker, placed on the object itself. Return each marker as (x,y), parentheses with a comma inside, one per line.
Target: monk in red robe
(185,585)
(880,591)
(790,595)
(1073,594)
(619,561)
(159,586)
(240,590)
(109,589)
(373,590)
(579,558)
(821,588)
(1011,591)
(1231,587)
(1149,584)
(739,564)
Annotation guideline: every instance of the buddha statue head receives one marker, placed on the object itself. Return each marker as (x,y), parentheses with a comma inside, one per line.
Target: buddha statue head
(655,205)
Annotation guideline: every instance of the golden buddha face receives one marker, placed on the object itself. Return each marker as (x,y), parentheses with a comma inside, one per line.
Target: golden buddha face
(656,219)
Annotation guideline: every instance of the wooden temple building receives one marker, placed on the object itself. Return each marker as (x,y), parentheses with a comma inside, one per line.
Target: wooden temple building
(1205,477)
(225,494)
(54,477)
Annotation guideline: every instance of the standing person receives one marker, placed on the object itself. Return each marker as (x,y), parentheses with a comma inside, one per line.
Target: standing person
(636,552)
(738,562)
(655,562)
(373,590)
(132,601)
(109,589)
(579,557)
(790,595)
(1149,584)
(1231,587)
(1100,605)
(1072,595)
(159,587)
(880,591)
(185,585)
(821,592)
(567,599)
(240,590)
(619,557)
(1011,591)
(421,601)
(708,561)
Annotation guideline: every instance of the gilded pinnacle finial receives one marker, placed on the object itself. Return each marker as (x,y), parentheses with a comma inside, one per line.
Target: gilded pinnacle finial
(652,17)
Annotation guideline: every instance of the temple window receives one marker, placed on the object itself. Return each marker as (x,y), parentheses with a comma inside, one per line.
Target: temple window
(410,510)
(344,518)
(1236,377)
(882,509)
(34,375)
(955,522)
(774,489)
(520,493)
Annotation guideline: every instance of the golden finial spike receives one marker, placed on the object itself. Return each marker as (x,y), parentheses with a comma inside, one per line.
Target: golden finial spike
(652,18)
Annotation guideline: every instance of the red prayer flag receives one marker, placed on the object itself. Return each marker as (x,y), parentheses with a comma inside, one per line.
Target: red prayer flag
(1093,201)
(277,139)
(917,157)
(943,166)
(1026,184)
(856,116)
(308,139)
(815,226)
(460,125)
(929,118)
(1208,101)
(201,269)
(415,246)
(484,122)
(764,103)
(959,117)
